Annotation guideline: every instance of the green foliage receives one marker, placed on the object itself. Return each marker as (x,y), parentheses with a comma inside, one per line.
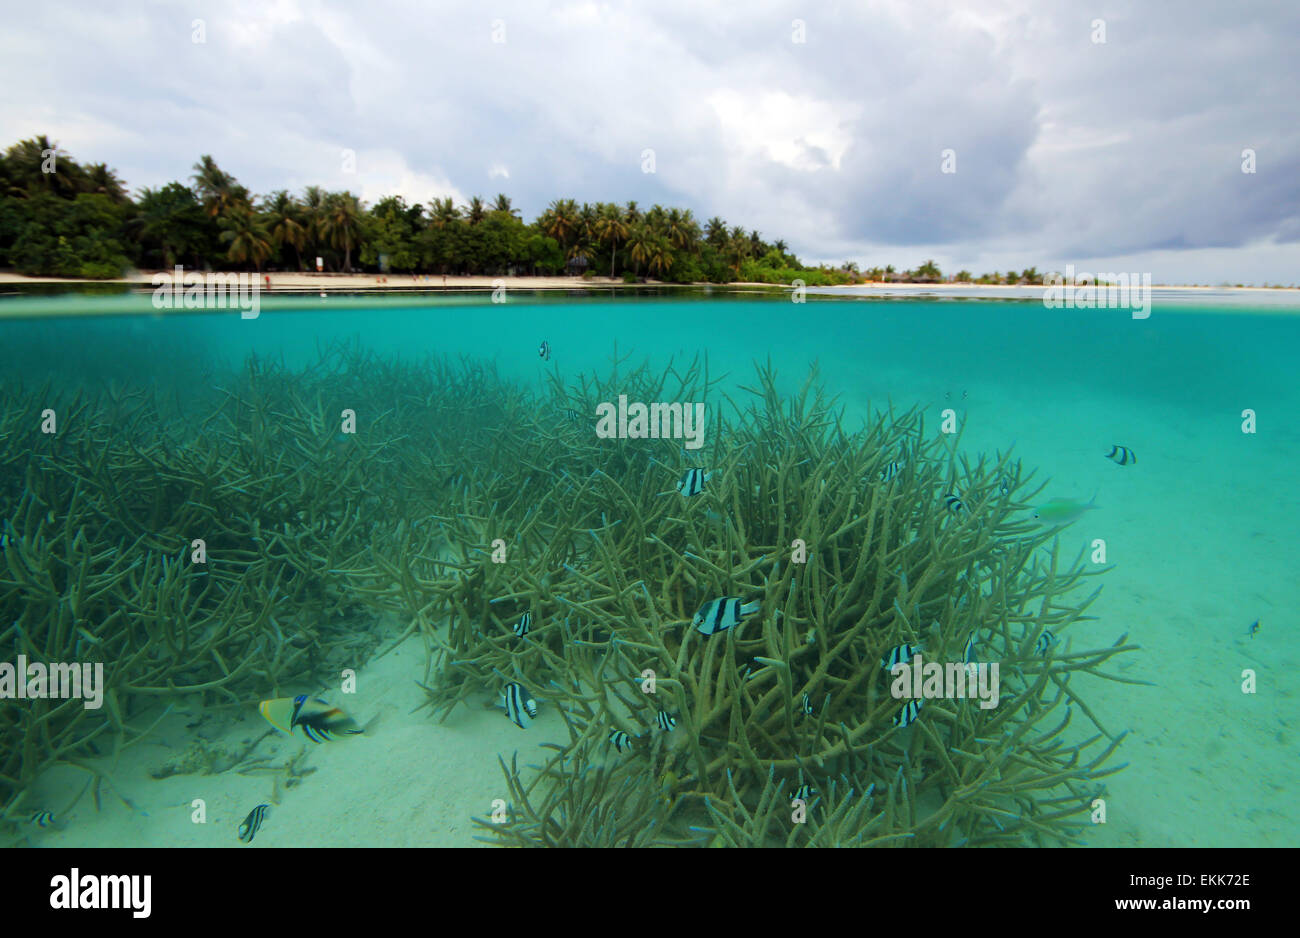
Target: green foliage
(77,238)
(46,227)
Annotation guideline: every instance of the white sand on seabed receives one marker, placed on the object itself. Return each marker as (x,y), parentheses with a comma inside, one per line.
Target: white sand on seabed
(1199,552)
(410,781)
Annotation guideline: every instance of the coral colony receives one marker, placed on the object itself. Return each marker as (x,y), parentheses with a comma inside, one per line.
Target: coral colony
(707,650)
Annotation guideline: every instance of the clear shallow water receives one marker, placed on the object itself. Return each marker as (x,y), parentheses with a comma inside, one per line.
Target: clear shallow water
(1200,531)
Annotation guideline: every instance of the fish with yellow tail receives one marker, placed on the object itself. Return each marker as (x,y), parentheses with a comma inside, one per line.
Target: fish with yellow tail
(318,720)
(1062,511)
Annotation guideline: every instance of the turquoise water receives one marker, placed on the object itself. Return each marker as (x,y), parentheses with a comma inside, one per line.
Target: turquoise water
(1200,533)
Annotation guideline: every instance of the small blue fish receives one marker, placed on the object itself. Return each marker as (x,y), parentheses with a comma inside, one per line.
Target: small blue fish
(43,819)
(803,793)
(968,656)
(1254,629)
(544,351)
(807,706)
(908,713)
(901,654)
(1045,642)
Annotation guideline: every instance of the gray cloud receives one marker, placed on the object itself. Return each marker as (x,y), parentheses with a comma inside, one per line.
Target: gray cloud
(1066,150)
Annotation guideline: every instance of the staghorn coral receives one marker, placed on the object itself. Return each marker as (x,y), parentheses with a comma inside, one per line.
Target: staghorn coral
(99,520)
(308,531)
(612,564)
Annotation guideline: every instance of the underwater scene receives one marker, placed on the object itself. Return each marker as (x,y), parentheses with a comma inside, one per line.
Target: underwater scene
(707,568)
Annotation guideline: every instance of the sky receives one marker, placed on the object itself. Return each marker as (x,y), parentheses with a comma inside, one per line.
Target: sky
(985,135)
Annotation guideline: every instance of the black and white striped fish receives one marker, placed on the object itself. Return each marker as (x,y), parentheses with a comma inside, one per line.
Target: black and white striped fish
(719,614)
(665,721)
(954,502)
(572,415)
(1122,455)
(522,627)
(520,708)
(807,705)
(544,351)
(620,740)
(901,654)
(968,656)
(803,793)
(253,823)
(908,713)
(692,482)
(1045,641)
(892,470)
(43,819)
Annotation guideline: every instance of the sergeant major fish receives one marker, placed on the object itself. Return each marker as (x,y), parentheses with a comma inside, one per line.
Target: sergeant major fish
(719,614)
(1122,455)
(692,482)
(253,823)
(520,708)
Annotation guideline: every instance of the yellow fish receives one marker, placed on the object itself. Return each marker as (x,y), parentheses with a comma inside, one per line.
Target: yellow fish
(318,720)
(1062,511)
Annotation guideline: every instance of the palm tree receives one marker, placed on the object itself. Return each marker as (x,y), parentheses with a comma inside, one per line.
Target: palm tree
(313,211)
(611,229)
(341,223)
(24,161)
(632,214)
(675,228)
(715,232)
(502,204)
(442,212)
(247,237)
(101,180)
(640,244)
(928,271)
(587,224)
(217,190)
(661,255)
(560,221)
(475,212)
(284,216)
(171,218)
(738,247)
